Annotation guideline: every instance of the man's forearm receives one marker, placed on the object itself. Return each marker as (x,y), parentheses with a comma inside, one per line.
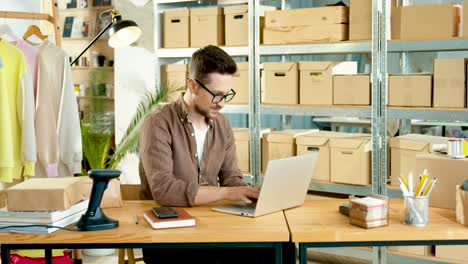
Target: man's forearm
(209,194)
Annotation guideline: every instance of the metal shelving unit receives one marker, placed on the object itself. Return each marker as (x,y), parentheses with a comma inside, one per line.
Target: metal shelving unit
(187,52)
(364,111)
(346,47)
(455,44)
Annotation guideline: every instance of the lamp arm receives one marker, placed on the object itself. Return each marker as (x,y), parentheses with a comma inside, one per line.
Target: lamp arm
(92,42)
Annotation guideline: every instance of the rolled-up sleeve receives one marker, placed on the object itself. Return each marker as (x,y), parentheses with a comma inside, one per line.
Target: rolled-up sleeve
(230,174)
(156,155)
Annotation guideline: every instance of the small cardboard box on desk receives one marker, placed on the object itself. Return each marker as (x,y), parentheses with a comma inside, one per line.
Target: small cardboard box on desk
(404,150)
(368,212)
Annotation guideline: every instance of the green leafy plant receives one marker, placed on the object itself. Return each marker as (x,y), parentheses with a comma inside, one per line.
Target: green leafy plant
(98,80)
(96,146)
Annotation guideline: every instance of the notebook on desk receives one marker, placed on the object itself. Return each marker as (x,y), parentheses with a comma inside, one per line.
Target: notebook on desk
(285,185)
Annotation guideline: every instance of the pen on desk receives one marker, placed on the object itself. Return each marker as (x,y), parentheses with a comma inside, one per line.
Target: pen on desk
(136,219)
(422,184)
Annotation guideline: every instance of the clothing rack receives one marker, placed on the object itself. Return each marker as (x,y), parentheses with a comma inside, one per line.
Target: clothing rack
(54,19)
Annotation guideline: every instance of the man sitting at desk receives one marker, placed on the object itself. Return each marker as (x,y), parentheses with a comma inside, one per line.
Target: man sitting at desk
(187,150)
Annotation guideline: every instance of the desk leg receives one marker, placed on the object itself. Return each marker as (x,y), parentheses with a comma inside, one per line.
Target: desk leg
(302,253)
(48,256)
(5,254)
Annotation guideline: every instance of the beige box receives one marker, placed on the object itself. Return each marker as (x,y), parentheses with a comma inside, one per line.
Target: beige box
(176,21)
(437,21)
(306,25)
(240,82)
(316,80)
(457,252)
(280,144)
(305,34)
(281,83)
(236,24)
(449,173)
(352,89)
(410,90)
(450,83)
(404,150)
(320,142)
(350,160)
(206,27)
(464,20)
(45,194)
(360,19)
(112,196)
(174,77)
(241,137)
(413,250)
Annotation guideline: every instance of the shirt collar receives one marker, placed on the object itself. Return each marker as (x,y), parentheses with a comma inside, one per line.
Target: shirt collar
(182,112)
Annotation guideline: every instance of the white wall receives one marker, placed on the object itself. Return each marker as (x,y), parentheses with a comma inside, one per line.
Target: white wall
(19,25)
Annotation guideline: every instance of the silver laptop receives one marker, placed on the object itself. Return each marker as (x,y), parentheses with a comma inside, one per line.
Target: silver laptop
(285,185)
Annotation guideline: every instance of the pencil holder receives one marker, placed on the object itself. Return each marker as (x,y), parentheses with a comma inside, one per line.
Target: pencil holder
(461,210)
(416,210)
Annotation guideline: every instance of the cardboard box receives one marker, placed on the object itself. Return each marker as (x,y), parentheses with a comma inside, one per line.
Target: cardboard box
(352,89)
(281,83)
(280,144)
(306,25)
(316,80)
(305,34)
(464,20)
(112,196)
(404,150)
(360,19)
(240,82)
(44,194)
(319,142)
(410,90)
(437,21)
(449,173)
(350,160)
(457,252)
(241,137)
(450,83)
(206,27)
(236,24)
(413,250)
(176,21)
(174,77)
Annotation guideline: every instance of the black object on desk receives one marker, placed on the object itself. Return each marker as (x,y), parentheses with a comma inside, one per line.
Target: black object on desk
(94,218)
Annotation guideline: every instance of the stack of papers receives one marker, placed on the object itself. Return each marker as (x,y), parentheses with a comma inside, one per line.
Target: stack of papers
(368,212)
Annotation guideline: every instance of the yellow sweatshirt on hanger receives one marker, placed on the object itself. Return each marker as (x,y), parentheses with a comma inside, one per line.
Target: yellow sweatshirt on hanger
(17,133)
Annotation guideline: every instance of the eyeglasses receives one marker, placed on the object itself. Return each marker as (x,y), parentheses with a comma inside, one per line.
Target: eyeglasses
(217,98)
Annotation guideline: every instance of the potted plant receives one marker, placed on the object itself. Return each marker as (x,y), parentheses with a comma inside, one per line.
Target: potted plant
(98,81)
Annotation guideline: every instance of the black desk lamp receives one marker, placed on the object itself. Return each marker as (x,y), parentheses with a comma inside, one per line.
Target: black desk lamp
(121,32)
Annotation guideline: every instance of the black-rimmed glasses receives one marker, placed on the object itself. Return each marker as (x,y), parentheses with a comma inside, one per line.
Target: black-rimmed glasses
(217,98)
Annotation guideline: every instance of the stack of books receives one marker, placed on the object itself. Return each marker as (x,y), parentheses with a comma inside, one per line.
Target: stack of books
(184,219)
(40,222)
(368,212)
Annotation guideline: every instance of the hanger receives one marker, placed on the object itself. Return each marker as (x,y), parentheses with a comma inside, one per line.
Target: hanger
(6,30)
(33,30)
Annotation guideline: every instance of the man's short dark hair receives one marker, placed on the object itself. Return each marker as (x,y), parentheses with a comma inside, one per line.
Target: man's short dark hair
(211,59)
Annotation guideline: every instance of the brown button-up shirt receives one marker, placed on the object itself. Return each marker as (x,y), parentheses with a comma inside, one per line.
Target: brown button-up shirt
(169,170)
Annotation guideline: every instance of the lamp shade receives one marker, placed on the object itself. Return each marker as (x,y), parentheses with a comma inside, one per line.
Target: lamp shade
(123,33)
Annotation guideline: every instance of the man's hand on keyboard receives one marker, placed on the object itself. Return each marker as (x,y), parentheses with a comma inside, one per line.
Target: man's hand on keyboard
(241,193)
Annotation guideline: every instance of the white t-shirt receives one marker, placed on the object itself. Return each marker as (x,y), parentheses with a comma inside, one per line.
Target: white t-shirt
(200,135)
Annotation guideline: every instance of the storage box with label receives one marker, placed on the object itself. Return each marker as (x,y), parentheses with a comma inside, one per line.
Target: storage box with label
(281,83)
(350,160)
(206,26)
(449,173)
(240,82)
(437,21)
(236,24)
(281,144)
(45,194)
(449,83)
(174,77)
(306,25)
(176,21)
(404,150)
(241,137)
(316,80)
(360,19)
(352,89)
(320,142)
(410,90)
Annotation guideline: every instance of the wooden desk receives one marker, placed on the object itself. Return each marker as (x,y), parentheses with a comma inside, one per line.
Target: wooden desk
(319,224)
(212,230)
